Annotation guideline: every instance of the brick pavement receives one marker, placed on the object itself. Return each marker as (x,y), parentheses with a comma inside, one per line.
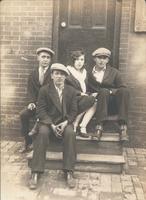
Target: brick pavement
(131,185)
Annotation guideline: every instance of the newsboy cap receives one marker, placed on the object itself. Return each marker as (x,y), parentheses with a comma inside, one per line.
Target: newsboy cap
(45,49)
(60,67)
(101,52)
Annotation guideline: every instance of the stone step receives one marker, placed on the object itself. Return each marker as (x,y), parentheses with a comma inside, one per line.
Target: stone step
(86,162)
(89,147)
(106,137)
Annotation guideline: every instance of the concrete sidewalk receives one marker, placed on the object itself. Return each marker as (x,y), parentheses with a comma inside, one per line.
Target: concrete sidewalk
(131,185)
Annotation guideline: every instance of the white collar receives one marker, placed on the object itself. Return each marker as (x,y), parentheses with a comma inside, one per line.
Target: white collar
(95,70)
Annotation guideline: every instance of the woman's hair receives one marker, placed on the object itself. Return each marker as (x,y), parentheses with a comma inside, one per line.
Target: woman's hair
(76,54)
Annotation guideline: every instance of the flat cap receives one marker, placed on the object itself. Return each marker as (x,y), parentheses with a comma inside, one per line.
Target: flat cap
(45,49)
(101,52)
(60,67)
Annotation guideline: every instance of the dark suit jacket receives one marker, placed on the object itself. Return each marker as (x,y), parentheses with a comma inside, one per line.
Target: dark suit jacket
(112,80)
(34,86)
(49,109)
(71,80)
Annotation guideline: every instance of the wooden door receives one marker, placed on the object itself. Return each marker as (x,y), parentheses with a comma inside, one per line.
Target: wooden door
(87,25)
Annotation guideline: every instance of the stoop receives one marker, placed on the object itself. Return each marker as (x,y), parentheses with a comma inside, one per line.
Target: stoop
(104,156)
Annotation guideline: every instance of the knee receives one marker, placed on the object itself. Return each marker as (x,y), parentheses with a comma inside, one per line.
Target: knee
(88,101)
(24,114)
(92,99)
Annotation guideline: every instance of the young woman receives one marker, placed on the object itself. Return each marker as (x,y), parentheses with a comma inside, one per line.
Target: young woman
(86,102)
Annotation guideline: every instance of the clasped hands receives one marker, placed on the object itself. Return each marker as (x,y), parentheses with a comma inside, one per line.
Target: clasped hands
(31,106)
(59,128)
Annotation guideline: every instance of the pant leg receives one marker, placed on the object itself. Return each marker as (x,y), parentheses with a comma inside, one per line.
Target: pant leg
(69,148)
(102,105)
(40,144)
(122,100)
(25,117)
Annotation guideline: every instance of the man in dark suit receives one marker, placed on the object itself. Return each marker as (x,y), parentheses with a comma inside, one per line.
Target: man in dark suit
(56,110)
(40,76)
(110,87)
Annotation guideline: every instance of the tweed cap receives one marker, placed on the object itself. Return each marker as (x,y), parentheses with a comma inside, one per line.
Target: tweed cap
(45,49)
(101,52)
(60,67)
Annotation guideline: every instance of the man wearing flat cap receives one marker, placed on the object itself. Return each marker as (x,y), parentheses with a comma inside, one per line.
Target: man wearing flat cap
(56,110)
(112,92)
(40,76)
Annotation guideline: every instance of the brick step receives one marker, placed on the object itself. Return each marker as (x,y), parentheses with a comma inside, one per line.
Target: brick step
(86,162)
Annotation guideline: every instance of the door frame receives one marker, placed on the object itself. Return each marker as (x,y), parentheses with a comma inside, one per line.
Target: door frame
(116,42)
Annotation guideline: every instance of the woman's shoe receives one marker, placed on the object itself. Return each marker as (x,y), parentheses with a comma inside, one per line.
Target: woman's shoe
(83,132)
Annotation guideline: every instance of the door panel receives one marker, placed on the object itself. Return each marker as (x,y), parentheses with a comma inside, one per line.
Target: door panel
(85,25)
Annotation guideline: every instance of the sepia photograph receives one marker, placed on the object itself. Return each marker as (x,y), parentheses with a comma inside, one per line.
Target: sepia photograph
(73,99)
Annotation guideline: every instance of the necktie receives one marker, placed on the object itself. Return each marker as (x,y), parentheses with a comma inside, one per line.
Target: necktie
(60,95)
(41,76)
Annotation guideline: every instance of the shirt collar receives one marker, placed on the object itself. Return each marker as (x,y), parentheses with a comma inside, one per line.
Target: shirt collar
(57,88)
(94,69)
(44,69)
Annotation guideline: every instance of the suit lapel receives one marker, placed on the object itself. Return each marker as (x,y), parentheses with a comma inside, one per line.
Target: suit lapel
(54,96)
(36,76)
(47,75)
(64,100)
(106,74)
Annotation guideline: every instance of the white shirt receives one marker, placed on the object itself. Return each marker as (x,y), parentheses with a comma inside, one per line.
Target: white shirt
(42,72)
(98,74)
(59,90)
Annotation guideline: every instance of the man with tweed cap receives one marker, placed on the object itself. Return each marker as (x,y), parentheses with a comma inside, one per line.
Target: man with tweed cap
(111,89)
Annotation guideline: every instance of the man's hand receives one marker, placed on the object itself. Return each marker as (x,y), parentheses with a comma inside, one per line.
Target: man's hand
(94,94)
(53,127)
(60,127)
(31,106)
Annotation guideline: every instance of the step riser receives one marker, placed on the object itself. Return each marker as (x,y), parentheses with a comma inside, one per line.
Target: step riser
(85,167)
(91,147)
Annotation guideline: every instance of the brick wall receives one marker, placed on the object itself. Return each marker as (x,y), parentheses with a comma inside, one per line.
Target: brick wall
(25,26)
(133,66)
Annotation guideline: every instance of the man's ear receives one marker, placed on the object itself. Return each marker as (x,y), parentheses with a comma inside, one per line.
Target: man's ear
(108,59)
(94,58)
(51,76)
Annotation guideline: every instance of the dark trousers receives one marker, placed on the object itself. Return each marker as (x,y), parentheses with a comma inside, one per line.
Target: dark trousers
(25,117)
(120,100)
(41,142)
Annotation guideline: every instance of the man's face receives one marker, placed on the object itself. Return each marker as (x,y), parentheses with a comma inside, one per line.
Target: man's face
(101,61)
(44,59)
(58,77)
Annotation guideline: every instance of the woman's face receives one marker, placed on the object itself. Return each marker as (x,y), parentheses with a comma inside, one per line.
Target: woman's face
(79,62)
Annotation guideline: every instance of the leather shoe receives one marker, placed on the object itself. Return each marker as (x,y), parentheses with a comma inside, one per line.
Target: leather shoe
(98,132)
(33,181)
(124,135)
(70,179)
